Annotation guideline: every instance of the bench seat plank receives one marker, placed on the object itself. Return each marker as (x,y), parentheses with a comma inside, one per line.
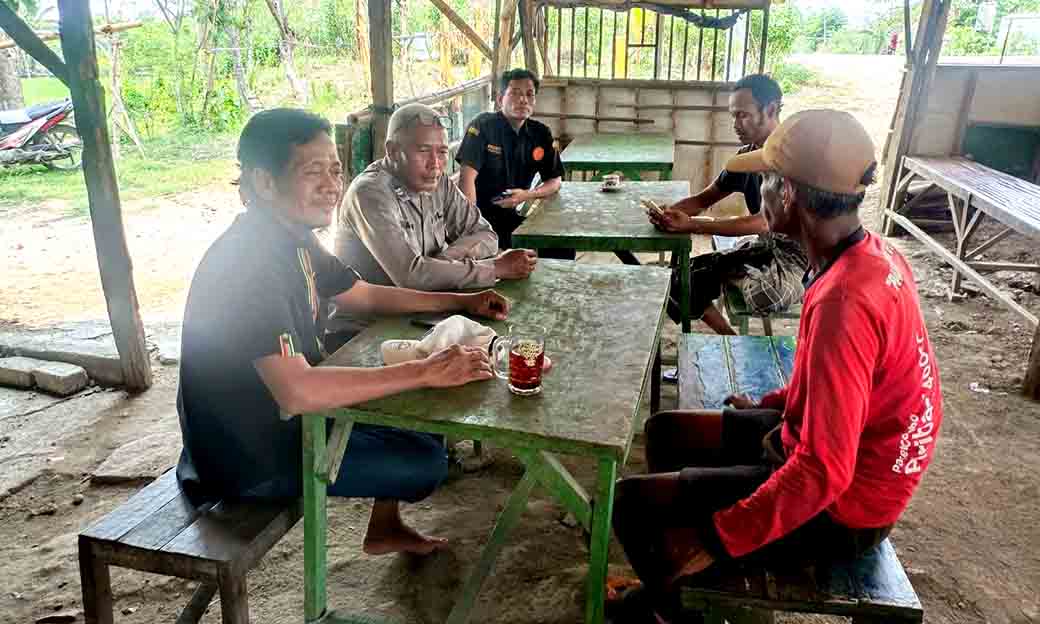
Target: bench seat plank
(224,531)
(713,367)
(874,585)
(162,525)
(757,367)
(704,375)
(137,509)
(783,346)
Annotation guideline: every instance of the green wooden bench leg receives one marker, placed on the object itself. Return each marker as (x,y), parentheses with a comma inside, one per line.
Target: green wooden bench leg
(506,521)
(602,510)
(314,519)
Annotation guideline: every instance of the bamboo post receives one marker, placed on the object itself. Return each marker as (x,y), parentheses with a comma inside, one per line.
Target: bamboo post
(527,31)
(381,53)
(504,50)
(117,280)
(913,94)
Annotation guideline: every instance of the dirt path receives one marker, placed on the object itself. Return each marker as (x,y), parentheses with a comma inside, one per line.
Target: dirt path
(970,541)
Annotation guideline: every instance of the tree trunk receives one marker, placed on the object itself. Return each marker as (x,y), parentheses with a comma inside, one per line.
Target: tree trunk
(10,83)
(287,47)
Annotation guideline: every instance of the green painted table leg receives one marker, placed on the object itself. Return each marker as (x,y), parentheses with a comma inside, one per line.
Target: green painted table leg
(555,477)
(684,284)
(506,521)
(314,520)
(602,510)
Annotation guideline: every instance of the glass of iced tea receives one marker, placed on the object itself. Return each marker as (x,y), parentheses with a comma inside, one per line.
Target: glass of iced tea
(525,346)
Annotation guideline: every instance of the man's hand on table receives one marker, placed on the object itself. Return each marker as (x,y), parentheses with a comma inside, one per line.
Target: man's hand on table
(456,366)
(514,198)
(677,221)
(515,264)
(486,303)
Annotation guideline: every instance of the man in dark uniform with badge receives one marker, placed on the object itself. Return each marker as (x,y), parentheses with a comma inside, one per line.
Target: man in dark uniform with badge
(500,154)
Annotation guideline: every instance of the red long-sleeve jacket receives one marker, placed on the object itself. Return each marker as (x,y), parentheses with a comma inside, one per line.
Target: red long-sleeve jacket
(862,410)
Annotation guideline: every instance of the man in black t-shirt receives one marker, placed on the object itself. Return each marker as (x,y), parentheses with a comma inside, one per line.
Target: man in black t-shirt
(500,154)
(767,270)
(260,288)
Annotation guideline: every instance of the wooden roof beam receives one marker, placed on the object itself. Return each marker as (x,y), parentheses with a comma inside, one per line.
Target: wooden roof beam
(464,28)
(27,40)
(107,29)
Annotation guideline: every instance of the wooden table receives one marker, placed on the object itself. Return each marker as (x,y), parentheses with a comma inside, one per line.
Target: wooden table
(974,192)
(603,324)
(583,217)
(630,153)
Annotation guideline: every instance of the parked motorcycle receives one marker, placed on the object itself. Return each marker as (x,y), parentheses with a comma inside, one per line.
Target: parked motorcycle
(37,135)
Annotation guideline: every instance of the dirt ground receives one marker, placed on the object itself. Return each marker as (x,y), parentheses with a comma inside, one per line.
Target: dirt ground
(970,540)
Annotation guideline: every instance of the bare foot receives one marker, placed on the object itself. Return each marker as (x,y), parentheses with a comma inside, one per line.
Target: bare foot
(401,538)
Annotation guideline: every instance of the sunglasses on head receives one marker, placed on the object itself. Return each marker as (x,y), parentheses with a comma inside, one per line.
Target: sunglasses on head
(426,119)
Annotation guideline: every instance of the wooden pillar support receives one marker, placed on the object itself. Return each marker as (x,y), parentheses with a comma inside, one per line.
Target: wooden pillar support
(504,49)
(527,31)
(380,41)
(1031,387)
(914,92)
(117,280)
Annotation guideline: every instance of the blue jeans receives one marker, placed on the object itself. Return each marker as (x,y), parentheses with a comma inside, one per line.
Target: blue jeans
(381,463)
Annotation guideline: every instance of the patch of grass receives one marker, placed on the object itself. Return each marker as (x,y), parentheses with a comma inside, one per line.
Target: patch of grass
(40,90)
(172,165)
(792,76)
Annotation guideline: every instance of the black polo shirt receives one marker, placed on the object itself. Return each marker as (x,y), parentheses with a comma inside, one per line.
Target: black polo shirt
(750,184)
(506,159)
(259,280)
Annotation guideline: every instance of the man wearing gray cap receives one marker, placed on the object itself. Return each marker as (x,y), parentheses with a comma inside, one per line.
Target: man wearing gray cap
(404,223)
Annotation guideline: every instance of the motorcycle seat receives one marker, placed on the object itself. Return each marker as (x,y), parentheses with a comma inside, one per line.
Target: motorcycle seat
(14,117)
(25,115)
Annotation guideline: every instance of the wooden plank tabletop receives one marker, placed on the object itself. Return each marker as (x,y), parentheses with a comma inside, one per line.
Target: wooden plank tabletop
(589,219)
(630,148)
(1008,199)
(602,323)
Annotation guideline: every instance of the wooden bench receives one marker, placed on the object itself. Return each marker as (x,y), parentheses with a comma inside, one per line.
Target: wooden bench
(974,192)
(158,530)
(736,307)
(871,590)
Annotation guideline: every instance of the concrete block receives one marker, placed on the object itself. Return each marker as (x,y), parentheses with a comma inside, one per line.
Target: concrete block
(144,458)
(17,371)
(60,378)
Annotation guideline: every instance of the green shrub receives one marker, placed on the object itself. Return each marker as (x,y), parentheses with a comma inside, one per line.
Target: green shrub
(792,76)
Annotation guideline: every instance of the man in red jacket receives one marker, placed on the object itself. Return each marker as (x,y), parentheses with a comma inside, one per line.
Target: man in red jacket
(820,469)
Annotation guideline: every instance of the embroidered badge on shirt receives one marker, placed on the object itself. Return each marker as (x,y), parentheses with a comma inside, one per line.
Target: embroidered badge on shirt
(473,130)
(538,153)
(494,149)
